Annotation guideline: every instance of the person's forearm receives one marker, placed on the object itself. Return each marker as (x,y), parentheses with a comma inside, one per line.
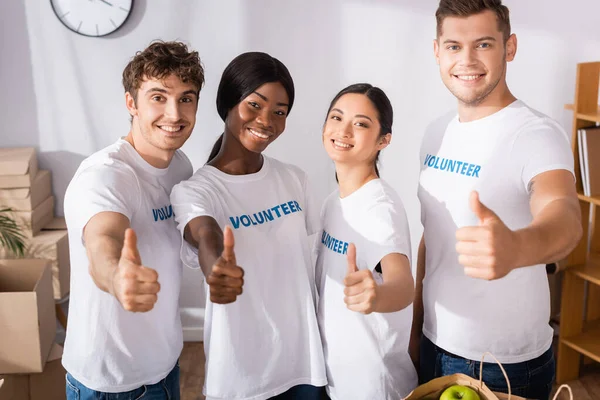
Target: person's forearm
(552,235)
(210,247)
(417,323)
(103,254)
(394,296)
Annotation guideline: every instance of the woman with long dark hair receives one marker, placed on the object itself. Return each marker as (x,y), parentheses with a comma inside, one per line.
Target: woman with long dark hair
(245,220)
(363,270)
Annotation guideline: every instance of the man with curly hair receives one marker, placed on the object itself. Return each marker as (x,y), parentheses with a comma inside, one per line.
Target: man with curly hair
(124,335)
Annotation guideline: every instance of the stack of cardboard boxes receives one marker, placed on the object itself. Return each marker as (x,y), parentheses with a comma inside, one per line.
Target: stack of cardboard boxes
(30,360)
(27,191)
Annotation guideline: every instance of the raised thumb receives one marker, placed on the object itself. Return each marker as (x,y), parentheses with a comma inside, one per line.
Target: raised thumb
(130,251)
(228,244)
(351,258)
(479,209)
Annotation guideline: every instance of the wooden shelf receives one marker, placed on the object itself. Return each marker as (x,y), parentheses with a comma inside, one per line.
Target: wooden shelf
(589,272)
(586,343)
(589,199)
(571,107)
(579,306)
(591,117)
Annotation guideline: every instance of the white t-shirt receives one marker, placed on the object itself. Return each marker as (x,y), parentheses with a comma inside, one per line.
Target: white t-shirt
(366,355)
(498,156)
(267,340)
(107,348)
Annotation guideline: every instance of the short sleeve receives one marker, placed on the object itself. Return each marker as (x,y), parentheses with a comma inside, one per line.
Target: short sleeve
(311,207)
(388,233)
(542,147)
(191,199)
(110,187)
(316,243)
(187,168)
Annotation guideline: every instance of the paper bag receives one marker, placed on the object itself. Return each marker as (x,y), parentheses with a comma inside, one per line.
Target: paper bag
(434,388)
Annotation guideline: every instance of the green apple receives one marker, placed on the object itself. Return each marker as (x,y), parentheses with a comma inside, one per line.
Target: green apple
(459,392)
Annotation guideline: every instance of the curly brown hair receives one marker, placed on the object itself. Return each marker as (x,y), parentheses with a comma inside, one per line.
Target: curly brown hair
(158,61)
(466,8)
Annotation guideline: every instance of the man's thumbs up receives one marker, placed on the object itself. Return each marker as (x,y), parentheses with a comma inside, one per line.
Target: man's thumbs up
(489,250)
(351,258)
(134,285)
(483,213)
(361,288)
(226,278)
(130,251)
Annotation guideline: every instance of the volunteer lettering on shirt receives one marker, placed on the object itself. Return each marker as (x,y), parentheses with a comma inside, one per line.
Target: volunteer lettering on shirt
(334,244)
(268,215)
(448,165)
(162,213)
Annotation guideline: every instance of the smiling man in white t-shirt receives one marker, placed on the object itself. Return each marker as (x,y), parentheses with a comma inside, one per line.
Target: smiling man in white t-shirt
(124,334)
(498,201)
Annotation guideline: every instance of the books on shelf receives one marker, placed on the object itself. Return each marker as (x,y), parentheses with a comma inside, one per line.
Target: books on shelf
(588,144)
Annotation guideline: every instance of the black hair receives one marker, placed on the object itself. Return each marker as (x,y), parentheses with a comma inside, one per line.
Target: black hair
(242,76)
(385,112)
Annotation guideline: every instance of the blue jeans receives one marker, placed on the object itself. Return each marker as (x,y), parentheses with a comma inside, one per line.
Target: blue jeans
(301,392)
(166,389)
(529,379)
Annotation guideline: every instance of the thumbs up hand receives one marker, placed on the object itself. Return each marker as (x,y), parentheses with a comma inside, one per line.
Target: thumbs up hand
(488,250)
(134,285)
(361,289)
(226,277)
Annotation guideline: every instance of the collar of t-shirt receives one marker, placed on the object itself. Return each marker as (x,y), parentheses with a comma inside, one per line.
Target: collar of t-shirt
(498,115)
(140,162)
(360,195)
(241,178)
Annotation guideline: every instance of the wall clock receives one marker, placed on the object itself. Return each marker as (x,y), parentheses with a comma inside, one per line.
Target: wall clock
(92,17)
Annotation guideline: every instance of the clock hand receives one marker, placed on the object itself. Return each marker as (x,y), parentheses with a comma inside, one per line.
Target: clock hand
(106,2)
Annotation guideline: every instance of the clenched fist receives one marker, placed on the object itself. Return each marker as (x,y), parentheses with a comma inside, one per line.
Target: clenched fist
(226,277)
(361,289)
(134,285)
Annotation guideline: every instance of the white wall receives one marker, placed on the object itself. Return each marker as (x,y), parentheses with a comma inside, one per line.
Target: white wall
(62,92)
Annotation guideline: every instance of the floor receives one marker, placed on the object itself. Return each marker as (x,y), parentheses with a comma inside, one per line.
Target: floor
(192,377)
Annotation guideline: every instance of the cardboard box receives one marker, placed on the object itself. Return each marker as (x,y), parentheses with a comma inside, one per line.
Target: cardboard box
(52,245)
(58,223)
(27,315)
(32,222)
(27,199)
(48,385)
(18,167)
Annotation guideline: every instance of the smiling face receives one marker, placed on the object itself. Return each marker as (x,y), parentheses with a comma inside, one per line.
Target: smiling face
(259,119)
(164,114)
(472,57)
(352,132)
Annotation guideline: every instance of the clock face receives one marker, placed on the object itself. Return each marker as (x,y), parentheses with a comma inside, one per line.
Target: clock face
(92,17)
